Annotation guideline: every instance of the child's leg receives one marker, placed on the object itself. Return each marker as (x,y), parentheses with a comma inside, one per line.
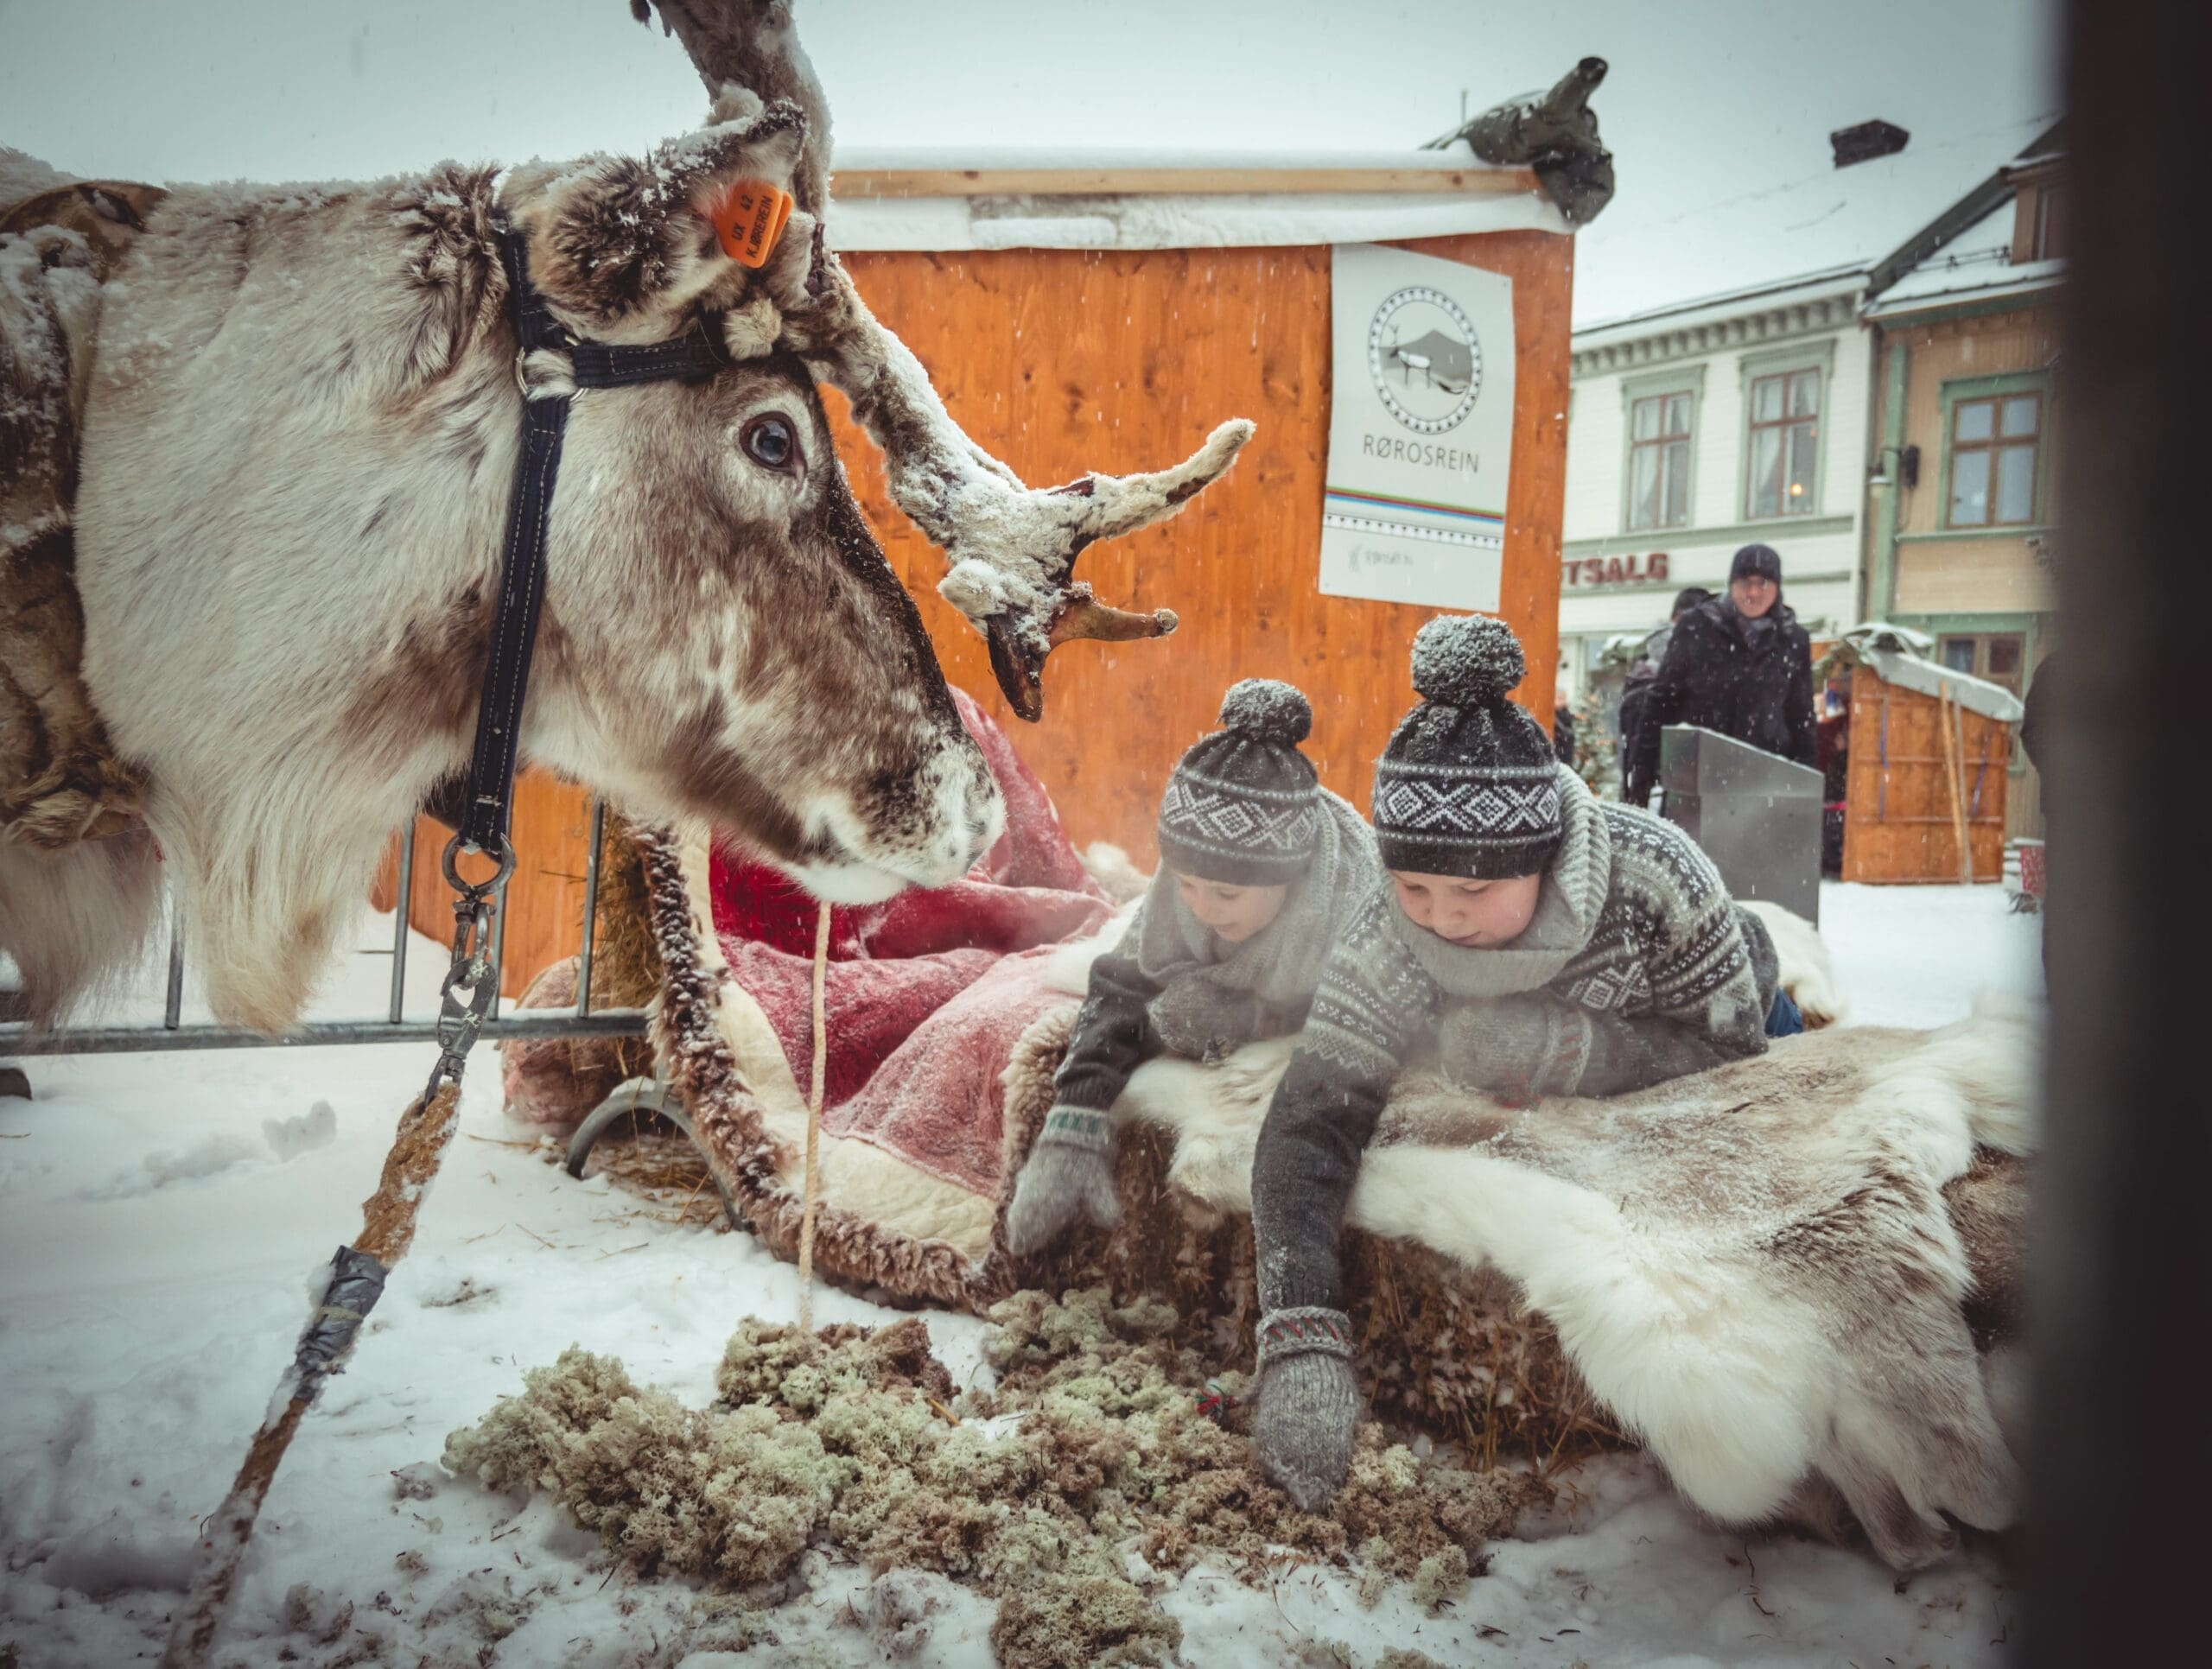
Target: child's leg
(1783,1020)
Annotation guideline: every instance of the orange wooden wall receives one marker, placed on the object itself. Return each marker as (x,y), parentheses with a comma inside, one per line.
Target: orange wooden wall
(1062,361)
(1898,819)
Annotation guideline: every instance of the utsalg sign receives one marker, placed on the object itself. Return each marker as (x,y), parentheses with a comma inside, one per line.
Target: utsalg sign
(1589,572)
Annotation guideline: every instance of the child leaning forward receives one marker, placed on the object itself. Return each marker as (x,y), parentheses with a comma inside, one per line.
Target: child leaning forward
(1538,940)
(1261,869)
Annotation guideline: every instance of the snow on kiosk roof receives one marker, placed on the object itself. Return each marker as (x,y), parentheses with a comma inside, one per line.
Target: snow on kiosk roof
(958,199)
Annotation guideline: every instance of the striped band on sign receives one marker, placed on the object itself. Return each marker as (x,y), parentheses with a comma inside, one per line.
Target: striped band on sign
(1411,518)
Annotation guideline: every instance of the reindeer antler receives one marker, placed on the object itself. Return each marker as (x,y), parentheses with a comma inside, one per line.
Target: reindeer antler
(1011,547)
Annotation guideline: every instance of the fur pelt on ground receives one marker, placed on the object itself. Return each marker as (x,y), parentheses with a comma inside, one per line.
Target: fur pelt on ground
(1755,1270)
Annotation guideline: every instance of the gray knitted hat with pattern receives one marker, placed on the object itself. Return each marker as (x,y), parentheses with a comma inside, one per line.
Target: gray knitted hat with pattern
(1244,806)
(1469,785)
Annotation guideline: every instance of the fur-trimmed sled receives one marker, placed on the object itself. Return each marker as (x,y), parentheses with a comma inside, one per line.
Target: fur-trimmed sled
(1774,1276)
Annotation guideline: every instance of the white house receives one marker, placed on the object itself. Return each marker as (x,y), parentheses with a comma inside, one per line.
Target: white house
(1722,388)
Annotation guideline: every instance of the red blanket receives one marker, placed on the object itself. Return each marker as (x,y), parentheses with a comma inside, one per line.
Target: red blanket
(927,992)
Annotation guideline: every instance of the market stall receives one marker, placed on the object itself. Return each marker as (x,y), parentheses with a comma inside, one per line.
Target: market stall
(1929,761)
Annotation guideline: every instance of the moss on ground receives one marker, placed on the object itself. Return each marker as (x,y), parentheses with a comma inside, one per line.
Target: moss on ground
(1092,1447)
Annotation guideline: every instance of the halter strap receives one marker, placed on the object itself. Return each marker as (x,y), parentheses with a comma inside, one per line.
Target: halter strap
(697,354)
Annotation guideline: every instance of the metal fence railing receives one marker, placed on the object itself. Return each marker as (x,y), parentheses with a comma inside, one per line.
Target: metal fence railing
(580,1021)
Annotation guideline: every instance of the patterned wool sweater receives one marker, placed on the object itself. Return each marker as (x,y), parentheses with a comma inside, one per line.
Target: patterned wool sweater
(1649,966)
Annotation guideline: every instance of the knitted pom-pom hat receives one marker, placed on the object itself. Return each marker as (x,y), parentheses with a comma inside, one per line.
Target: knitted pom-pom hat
(1469,785)
(1244,805)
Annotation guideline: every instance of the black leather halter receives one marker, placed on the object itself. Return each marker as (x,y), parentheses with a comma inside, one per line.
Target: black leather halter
(697,354)
(482,818)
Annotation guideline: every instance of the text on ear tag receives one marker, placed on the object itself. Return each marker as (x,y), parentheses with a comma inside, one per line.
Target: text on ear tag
(749,219)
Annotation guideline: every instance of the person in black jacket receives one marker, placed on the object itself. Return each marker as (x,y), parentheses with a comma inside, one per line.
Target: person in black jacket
(1740,666)
(1635,687)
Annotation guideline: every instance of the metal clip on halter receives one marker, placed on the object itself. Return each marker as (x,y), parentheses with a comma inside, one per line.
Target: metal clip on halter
(474,969)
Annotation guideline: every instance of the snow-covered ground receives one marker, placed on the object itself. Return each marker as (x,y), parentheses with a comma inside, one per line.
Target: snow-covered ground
(159,1216)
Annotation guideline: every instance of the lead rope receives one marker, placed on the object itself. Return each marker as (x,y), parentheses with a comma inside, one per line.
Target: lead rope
(814,1119)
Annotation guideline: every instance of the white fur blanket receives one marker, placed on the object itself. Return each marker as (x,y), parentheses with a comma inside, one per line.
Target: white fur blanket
(1754,1268)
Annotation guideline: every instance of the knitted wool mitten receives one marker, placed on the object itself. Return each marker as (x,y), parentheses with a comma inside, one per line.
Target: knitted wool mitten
(1068,1176)
(1308,1403)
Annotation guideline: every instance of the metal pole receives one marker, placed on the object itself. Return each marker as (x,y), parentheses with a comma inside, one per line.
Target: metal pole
(400,911)
(591,907)
(173,1004)
(498,946)
(137,1039)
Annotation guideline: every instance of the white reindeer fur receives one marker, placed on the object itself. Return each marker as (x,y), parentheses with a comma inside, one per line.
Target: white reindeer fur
(1752,1267)
(1808,970)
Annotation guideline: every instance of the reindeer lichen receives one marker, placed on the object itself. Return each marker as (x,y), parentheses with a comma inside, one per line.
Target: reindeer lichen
(1092,1446)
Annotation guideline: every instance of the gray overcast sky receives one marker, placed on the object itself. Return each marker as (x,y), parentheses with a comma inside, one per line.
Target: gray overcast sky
(1707,101)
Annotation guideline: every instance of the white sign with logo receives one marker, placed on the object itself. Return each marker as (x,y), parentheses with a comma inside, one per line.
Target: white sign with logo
(1420,429)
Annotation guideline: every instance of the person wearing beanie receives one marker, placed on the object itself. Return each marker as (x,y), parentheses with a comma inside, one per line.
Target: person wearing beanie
(1740,666)
(1533,939)
(1260,869)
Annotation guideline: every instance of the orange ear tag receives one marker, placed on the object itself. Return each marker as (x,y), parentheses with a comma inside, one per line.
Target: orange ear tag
(749,219)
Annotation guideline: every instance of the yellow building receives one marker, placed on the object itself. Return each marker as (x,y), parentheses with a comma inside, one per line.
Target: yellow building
(1962,515)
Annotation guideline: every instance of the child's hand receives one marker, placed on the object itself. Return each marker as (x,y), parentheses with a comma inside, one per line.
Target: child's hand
(1308,1403)
(1069,1178)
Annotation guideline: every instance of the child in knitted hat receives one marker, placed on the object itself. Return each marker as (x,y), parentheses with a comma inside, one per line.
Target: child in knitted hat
(1538,940)
(1260,870)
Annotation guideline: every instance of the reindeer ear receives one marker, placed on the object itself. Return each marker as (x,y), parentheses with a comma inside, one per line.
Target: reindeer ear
(624,247)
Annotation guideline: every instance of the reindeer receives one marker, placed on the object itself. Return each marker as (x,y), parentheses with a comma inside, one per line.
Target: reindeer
(298,439)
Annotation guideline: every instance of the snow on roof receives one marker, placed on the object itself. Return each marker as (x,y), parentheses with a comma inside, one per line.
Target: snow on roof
(1633,263)
(967,197)
(1899,655)
(1978,262)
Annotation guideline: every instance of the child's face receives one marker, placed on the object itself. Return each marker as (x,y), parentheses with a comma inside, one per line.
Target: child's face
(1234,913)
(1476,914)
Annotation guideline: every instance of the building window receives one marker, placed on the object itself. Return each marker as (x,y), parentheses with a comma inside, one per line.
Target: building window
(1659,461)
(1993,444)
(1785,445)
(1994,656)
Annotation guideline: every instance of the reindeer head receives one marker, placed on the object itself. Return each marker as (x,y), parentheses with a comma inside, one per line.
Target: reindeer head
(722,637)
(785,625)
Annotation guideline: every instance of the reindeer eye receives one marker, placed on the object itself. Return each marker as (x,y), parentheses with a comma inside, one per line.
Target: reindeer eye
(768,440)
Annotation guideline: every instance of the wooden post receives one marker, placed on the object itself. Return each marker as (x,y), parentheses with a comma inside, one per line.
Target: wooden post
(1952,743)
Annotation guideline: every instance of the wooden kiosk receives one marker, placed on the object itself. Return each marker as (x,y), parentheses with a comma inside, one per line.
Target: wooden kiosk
(1104,312)
(1931,758)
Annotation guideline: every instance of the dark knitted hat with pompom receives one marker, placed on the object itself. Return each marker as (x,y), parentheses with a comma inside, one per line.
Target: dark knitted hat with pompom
(1244,805)
(1469,785)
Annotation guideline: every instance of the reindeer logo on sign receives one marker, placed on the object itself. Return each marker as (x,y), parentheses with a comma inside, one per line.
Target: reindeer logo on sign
(1424,358)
